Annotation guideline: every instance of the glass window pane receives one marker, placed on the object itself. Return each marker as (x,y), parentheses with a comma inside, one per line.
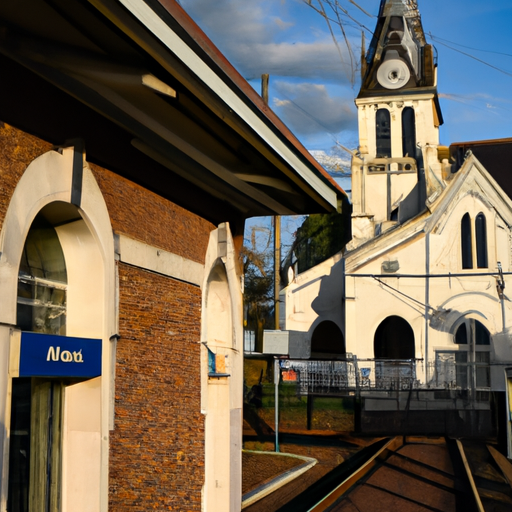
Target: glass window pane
(482,335)
(481,241)
(408,133)
(461,335)
(461,360)
(41,282)
(19,446)
(466,242)
(42,253)
(383,126)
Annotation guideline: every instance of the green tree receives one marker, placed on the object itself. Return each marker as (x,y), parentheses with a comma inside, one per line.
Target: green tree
(319,237)
(257,258)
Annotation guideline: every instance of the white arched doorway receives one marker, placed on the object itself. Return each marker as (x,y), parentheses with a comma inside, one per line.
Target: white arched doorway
(47,194)
(222,375)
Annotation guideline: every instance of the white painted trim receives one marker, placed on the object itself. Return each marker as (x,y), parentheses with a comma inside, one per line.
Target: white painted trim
(178,47)
(222,401)
(147,257)
(402,98)
(88,246)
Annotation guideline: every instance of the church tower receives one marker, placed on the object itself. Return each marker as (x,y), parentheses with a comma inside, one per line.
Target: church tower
(396,171)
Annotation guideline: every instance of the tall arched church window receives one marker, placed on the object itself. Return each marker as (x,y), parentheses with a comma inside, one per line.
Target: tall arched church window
(408,132)
(466,242)
(383,132)
(481,241)
(42,280)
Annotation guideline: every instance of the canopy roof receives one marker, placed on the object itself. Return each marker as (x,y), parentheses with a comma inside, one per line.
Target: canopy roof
(155,102)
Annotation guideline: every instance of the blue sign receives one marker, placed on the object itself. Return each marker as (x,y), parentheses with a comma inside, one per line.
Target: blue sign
(47,355)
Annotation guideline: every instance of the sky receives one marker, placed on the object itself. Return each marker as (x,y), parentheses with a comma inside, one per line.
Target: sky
(312,86)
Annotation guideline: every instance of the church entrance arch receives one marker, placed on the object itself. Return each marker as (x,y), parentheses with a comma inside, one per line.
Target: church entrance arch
(327,340)
(394,351)
(394,339)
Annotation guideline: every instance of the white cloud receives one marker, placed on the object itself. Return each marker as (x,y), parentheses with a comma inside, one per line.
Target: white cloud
(308,109)
(249,38)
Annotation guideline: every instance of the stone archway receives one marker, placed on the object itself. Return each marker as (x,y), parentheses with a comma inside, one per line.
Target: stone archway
(394,339)
(327,340)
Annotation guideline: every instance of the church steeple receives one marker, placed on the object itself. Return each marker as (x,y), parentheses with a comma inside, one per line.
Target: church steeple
(397,170)
(399,57)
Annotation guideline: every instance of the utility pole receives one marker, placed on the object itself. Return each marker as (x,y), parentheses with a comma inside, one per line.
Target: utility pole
(277,227)
(264,87)
(277,266)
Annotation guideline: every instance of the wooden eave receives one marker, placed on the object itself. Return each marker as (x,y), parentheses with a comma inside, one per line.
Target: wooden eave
(75,69)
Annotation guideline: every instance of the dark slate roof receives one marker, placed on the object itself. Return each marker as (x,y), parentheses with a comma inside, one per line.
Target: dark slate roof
(495,155)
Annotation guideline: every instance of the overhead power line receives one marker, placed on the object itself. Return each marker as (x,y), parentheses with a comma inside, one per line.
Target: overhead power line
(439,41)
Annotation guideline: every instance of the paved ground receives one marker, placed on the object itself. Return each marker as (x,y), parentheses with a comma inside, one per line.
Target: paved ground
(259,468)
(329,448)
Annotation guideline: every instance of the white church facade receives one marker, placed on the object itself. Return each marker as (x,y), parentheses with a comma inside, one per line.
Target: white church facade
(425,278)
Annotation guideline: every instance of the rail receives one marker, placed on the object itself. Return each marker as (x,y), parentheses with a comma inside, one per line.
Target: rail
(398,474)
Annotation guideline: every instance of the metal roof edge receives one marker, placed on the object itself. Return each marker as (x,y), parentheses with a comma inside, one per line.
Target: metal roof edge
(267,125)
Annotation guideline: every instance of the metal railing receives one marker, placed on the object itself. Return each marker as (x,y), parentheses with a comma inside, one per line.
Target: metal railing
(352,374)
(329,377)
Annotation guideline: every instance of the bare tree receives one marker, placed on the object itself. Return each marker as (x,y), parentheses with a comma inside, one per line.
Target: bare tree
(335,14)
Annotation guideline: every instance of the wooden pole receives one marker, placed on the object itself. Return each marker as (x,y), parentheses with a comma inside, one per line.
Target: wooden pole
(277,227)
(264,87)
(277,268)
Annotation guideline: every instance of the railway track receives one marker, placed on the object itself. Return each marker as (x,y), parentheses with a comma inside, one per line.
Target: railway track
(414,474)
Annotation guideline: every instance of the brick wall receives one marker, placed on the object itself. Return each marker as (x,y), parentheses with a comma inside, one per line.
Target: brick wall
(157,446)
(145,216)
(17,150)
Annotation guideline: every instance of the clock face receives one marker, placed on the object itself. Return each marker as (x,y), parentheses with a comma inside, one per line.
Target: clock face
(393,74)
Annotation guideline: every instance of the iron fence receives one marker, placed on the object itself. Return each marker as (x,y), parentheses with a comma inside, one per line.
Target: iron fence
(352,374)
(329,377)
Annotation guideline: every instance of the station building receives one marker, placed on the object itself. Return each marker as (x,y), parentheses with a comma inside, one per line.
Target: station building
(131,152)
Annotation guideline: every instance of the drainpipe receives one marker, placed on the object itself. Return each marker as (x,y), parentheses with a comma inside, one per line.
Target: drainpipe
(427,299)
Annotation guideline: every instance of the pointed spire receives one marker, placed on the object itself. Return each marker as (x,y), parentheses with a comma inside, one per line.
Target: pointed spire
(399,56)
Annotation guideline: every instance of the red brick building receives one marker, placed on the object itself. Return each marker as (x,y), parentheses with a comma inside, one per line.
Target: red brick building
(131,153)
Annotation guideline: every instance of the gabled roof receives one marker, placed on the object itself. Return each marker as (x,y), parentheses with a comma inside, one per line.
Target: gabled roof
(433,217)
(495,155)
(157,103)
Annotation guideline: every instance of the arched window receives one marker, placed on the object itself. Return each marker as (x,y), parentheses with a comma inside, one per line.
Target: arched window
(327,339)
(383,131)
(481,241)
(37,402)
(408,132)
(42,279)
(394,339)
(473,358)
(466,242)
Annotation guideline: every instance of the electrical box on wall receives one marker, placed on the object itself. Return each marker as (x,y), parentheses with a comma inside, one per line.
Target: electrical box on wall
(294,344)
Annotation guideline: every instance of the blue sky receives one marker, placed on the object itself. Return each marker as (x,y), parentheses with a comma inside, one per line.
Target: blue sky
(310,84)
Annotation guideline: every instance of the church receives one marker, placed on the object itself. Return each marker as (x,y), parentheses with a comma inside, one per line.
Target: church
(420,296)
